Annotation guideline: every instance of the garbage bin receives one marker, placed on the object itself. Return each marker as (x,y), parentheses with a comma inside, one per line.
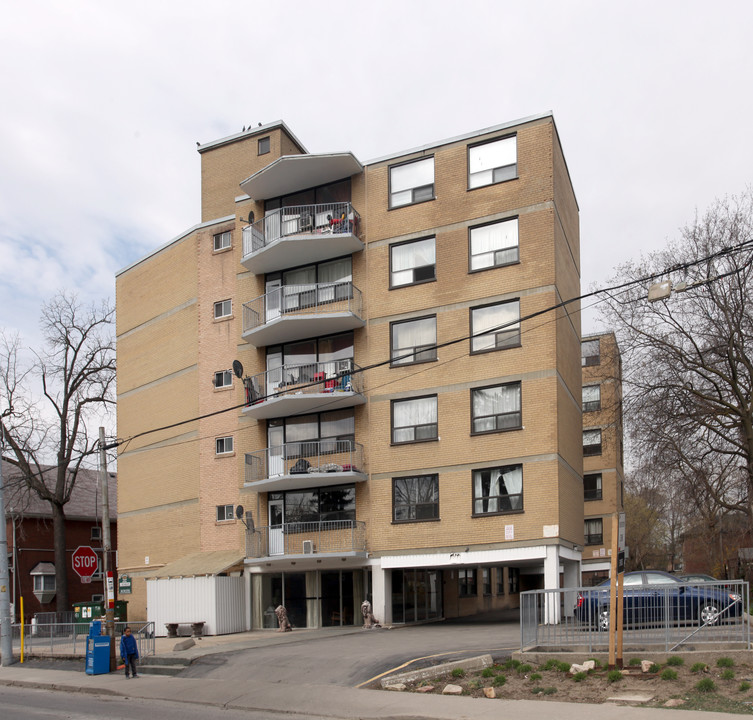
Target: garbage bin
(97,650)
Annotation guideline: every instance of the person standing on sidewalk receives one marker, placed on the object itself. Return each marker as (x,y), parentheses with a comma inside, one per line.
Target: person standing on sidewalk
(129,651)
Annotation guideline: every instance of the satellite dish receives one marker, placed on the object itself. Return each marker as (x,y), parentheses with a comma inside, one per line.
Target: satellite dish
(239,512)
(238,368)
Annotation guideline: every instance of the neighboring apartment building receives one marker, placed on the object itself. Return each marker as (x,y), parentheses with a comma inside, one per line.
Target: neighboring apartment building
(603,475)
(394,426)
(31,550)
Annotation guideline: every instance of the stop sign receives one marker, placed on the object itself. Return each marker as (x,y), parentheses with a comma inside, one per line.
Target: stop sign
(85,561)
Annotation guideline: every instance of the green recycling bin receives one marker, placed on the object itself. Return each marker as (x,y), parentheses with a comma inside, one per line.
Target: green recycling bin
(85,612)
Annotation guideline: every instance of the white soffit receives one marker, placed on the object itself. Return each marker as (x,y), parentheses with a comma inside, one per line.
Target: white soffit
(291,173)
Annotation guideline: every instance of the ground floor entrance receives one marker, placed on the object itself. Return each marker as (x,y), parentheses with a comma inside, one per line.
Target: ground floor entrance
(416,595)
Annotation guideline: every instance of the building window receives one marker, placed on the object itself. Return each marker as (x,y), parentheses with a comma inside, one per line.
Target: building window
(317,505)
(96,533)
(415,498)
(495,327)
(500,581)
(591,398)
(492,162)
(44,583)
(223,378)
(413,262)
(589,353)
(98,598)
(498,490)
(592,487)
(223,240)
(467,582)
(223,309)
(494,245)
(591,442)
(264,145)
(225,512)
(413,341)
(486,580)
(414,420)
(513,580)
(412,182)
(223,445)
(593,532)
(496,408)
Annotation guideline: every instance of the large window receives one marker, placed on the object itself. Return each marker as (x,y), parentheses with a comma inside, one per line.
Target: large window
(591,442)
(313,435)
(500,581)
(495,327)
(498,490)
(589,353)
(312,285)
(414,341)
(592,487)
(412,182)
(315,505)
(415,498)
(593,531)
(44,583)
(492,162)
(414,420)
(591,398)
(494,245)
(223,240)
(304,361)
(496,408)
(467,582)
(486,580)
(413,262)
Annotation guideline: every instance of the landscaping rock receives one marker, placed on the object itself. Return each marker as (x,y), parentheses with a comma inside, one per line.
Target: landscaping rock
(674,702)
(425,689)
(184,645)
(491,693)
(452,690)
(397,687)
(646,665)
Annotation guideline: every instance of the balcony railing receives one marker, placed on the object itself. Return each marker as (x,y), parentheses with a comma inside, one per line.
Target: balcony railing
(307,538)
(333,376)
(332,218)
(300,458)
(309,299)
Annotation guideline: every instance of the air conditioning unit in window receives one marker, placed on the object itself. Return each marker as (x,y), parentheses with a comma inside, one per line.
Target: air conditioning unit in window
(308,547)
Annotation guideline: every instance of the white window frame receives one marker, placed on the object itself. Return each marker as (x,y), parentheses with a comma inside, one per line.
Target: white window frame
(409,182)
(225,513)
(412,354)
(492,162)
(494,245)
(413,273)
(42,579)
(223,379)
(224,445)
(223,309)
(482,319)
(223,240)
(95,533)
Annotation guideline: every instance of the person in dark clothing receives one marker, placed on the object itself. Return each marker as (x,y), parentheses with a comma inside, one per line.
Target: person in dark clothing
(129,651)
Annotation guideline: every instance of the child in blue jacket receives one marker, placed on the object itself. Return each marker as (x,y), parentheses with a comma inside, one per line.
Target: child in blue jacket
(129,651)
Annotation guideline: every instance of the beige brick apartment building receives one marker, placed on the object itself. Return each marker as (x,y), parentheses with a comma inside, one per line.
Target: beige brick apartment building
(354,339)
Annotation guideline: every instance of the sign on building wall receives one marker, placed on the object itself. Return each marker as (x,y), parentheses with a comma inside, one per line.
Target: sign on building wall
(124,585)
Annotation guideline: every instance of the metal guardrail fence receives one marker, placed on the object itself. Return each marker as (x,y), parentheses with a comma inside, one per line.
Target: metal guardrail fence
(307,538)
(69,639)
(670,616)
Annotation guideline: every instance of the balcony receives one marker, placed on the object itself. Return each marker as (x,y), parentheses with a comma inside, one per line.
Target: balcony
(300,235)
(326,537)
(301,389)
(294,312)
(300,465)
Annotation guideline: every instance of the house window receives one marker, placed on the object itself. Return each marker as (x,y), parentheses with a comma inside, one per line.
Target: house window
(43,578)
(486,580)
(413,262)
(412,182)
(467,582)
(591,442)
(496,408)
(415,498)
(589,353)
(44,583)
(223,445)
(498,490)
(500,581)
(495,327)
(592,487)
(513,580)
(222,240)
(494,245)
(414,420)
(593,531)
(492,162)
(223,309)
(96,533)
(223,378)
(591,398)
(264,145)
(225,512)
(413,341)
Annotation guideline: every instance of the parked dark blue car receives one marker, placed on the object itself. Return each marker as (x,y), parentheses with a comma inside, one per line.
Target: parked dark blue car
(653,597)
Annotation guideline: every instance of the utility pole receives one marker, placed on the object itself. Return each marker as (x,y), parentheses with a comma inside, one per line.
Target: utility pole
(107,579)
(6,639)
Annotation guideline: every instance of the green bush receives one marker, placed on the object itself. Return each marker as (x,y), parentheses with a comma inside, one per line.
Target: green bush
(563,667)
(487,673)
(614,676)
(725,662)
(458,673)
(523,669)
(668,674)
(499,680)
(654,668)
(706,685)
(675,661)
(550,664)
(544,690)
(512,664)
(634,661)
(580,676)
(597,663)
(744,686)
(535,676)
(698,667)
(728,674)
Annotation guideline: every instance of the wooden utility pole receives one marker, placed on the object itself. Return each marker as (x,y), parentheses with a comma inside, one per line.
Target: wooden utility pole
(107,579)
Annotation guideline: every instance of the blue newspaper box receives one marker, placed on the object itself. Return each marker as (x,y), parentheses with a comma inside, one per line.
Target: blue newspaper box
(97,650)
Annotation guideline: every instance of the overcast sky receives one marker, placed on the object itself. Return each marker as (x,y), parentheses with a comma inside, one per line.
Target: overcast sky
(101,106)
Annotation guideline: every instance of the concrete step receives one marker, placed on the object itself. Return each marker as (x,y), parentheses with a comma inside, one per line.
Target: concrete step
(160,669)
(163,665)
(167,660)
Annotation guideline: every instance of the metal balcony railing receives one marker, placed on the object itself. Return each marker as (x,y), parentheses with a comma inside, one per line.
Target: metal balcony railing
(333,376)
(326,219)
(307,538)
(310,456)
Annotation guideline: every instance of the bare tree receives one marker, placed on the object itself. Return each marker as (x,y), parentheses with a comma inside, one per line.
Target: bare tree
(70,382)
(688,359)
